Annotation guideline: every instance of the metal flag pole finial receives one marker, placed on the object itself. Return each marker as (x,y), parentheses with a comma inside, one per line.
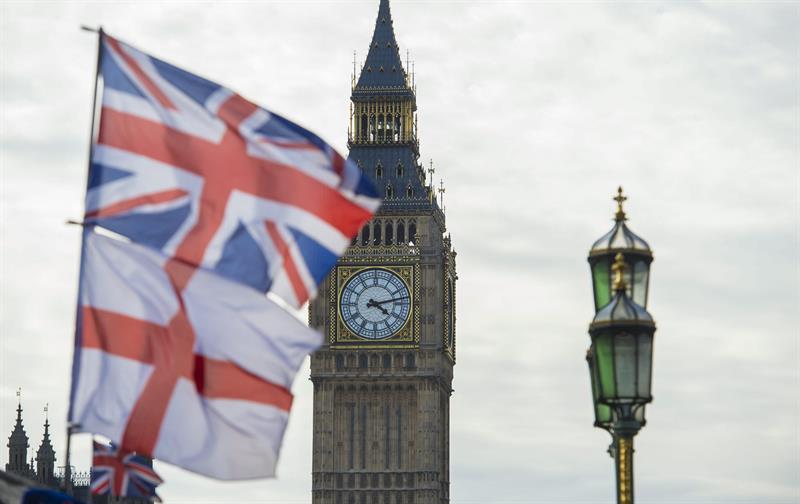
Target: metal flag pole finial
(620,199)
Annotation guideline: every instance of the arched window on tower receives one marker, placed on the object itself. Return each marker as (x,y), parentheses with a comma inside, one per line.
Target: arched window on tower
(389,191)
(389,233)
(365,235)
(399,170)
(397,128)
(409,191)
(401,232)
(389,124)
(412,232)
(380,127)
(379,171)
(376,233)
(372,128)
(364,127)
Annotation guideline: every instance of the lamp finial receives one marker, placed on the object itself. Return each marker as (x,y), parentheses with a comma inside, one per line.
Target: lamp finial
(620,199)
(618,270)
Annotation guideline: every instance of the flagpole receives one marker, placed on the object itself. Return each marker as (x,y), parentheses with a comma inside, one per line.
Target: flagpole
(70,426)
(99,32)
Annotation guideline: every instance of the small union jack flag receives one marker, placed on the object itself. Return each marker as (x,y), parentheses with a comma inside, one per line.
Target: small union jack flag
(123,474)
(189,167)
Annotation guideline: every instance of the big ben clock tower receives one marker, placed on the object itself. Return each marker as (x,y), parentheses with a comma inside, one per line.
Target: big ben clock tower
(382,380)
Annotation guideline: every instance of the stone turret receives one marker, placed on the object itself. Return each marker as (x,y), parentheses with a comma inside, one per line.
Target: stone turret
(18,448)
(46,458)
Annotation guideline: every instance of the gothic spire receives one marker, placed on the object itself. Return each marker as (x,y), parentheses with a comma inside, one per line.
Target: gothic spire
(45,455)
(18,436)
(18,445)
(383,66)
(46,447)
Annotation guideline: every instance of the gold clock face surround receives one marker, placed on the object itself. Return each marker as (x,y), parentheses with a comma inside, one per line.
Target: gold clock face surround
(375,303)
(341,334)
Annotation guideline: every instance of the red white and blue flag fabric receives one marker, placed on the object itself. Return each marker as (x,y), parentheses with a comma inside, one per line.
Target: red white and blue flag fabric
(186,166)
(123,474)
(181,364)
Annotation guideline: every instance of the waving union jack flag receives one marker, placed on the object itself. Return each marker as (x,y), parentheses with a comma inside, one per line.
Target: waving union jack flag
(122,474)
(189,167)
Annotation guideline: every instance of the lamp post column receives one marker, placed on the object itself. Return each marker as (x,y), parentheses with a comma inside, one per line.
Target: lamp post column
(624,463)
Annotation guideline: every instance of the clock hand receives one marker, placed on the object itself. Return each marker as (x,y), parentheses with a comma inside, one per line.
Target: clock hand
(372,304)
(389,300)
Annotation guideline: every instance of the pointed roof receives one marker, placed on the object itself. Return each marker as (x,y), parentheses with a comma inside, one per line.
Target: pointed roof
(622,309)
(620,237)
(46,451)
(383,66)
(18,438)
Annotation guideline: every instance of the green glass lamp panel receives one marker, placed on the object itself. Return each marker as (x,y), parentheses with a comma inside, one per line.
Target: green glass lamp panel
(640,274)
(604,366)
(645,365)
(601,274)
(603,413)
(625,365)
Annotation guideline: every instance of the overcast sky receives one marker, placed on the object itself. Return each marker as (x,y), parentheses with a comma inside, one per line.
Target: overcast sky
(533,113)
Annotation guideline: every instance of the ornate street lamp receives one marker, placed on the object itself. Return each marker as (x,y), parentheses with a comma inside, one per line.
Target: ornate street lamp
(621,355)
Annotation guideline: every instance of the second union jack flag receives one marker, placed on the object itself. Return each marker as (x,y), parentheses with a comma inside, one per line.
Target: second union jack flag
(187,166)
(122,474)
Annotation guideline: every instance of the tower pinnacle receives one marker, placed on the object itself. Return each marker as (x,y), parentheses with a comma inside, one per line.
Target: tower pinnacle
(383,67)
(18,444)
(45,455)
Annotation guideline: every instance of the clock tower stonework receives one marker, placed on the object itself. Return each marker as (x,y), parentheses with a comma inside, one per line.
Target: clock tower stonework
(383,378)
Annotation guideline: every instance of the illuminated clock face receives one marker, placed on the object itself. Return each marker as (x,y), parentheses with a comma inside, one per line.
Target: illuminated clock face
(375,303)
